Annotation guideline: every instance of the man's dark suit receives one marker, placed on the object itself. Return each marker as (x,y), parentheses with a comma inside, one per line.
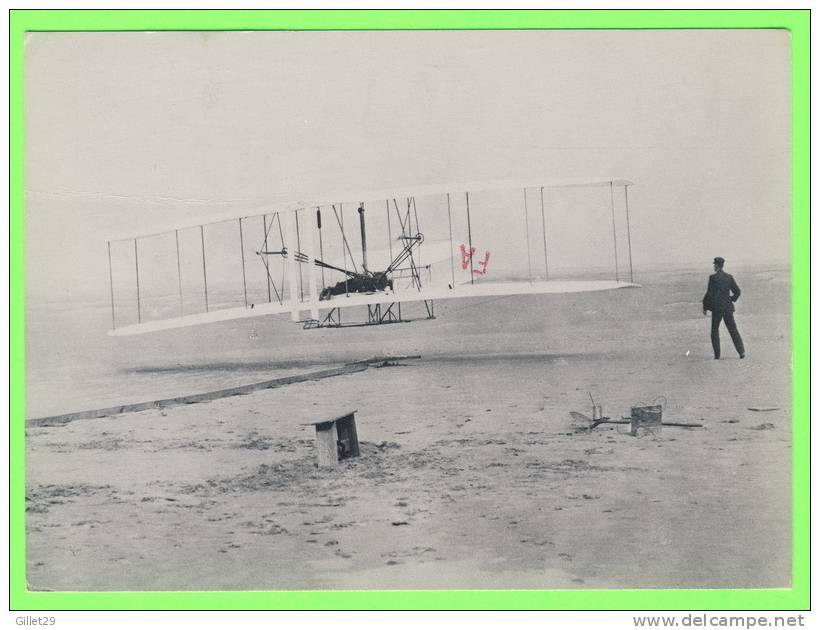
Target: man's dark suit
(720,298)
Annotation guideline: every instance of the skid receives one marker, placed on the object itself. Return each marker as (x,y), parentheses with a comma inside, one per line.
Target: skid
(377,314)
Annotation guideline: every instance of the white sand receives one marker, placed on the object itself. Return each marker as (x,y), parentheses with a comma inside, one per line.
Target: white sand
(472,474)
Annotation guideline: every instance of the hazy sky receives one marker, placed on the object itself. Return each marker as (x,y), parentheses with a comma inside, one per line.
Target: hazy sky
(130,132)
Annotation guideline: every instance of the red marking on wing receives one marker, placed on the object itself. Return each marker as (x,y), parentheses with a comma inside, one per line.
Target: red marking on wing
(465,256)
(482,264)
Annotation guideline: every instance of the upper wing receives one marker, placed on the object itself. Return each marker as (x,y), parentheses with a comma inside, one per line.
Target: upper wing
(462,187)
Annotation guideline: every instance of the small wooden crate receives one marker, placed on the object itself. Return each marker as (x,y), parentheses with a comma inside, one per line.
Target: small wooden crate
(336,439)
(649,417)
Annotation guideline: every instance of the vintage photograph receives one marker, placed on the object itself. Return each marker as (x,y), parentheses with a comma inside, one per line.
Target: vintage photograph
(389,310)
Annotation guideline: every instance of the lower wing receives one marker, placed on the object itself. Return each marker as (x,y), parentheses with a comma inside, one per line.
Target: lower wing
(482,289)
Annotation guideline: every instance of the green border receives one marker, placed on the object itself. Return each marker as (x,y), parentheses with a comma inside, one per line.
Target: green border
(797,21)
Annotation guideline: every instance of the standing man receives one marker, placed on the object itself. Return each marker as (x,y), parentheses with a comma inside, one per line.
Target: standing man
(720,298)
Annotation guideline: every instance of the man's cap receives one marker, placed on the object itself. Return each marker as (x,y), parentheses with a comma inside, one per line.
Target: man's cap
(719,261)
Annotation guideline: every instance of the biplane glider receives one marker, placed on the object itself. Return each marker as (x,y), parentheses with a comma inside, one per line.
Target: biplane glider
(299,258)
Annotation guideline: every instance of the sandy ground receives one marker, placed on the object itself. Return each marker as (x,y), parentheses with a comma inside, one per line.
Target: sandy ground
(472,473)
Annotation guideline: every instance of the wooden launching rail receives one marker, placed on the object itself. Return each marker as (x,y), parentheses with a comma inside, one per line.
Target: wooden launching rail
(50,421)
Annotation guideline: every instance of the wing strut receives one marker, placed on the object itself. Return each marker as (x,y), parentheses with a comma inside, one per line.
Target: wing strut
(242,253)
(204,273)
(179,275)
(389,230)
(293,287)
(418,229)
(299,249)
(470,238)
(544,230)
(312,289)
(111,285)
(265,260)
(137,268)
(364,237)
(321,248)
(614,236)
(452,249)
(628,235)
(527,230)
(282,241)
